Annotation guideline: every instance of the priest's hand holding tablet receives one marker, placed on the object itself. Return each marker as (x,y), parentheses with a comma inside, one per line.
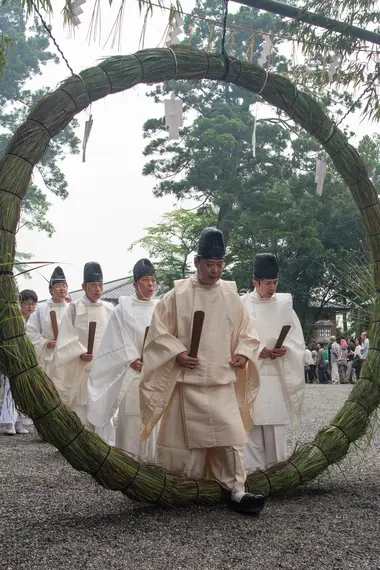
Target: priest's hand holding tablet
(274,353)
(183,359)
(274,347)
(137,365)
(238,361)
(86,357)
(278,352)
(265,353)
(51,343)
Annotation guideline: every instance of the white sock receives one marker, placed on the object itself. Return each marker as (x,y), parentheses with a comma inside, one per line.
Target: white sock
(237,496)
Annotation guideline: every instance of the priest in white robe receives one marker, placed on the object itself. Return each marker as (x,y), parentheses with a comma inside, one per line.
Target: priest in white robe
(115,376)
(202,433)
(72,362)
(39,327)
(14,420)
(281,371)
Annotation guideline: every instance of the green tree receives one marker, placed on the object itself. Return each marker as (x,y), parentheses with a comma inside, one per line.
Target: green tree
(29,53)
(173,241)
(212,161)
(266,203)
(358,64)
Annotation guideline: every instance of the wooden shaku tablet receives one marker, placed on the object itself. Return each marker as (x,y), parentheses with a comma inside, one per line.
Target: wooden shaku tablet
(196,333)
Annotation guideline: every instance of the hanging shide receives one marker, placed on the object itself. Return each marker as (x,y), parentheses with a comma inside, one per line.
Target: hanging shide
(33,391)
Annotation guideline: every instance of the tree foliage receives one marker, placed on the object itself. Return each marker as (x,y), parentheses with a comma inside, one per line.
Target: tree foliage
(261,203)
(173,241)
(359,63)
(29,53)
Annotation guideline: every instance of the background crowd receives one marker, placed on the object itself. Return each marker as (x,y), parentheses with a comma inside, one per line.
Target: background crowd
(336,362)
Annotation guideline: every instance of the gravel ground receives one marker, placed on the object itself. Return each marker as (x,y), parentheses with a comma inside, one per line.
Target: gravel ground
(55,518)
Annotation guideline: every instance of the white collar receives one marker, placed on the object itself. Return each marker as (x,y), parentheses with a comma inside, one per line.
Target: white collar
(135,299)
(85,299)
(258,297)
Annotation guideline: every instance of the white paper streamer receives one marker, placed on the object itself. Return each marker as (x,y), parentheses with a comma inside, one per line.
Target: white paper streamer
(266,47)
(320,175)
(254,138)
(334,65)
(253,110)
(76,11)
(173,116)
(174,30)
(87,131)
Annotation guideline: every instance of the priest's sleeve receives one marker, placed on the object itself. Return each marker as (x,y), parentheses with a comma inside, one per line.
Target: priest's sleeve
(67,369)
(68,346)
(246,343)
(160,371)
(33,330)
(294,379)
(111,374)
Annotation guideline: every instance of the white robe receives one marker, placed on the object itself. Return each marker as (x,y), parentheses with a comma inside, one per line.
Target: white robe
(69,372)
(40,331)
(113,384)
(202,431)
(9,413)
(282,382)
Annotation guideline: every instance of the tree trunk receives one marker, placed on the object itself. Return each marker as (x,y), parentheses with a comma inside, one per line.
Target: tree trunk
(184,267)
(224,210)
(345,327)
(226,205)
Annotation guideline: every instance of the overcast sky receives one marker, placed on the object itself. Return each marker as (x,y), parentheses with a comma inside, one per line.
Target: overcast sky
(110,202)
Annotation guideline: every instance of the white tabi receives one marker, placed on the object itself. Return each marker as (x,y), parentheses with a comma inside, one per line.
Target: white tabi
(40,331)
(69,372)
(282,382)
(113,384)
(202,432)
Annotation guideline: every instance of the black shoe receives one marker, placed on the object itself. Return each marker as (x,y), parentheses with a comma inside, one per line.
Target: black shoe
(250,504)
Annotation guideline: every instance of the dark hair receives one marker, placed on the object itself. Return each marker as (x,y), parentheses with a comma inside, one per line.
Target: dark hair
(28,295)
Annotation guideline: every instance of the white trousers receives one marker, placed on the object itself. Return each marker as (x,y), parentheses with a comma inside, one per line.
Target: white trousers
(224,464)
(128,436)
(265,445)
(350,374)
(9,413)
(334,373)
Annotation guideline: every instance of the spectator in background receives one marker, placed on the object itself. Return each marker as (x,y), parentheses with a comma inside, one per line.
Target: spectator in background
(350,345)
(313,366)
(334,355)
(308,361)
(357,362)
(350,374)
(326,352)
(365,345)
(321,368)
(342,362)
(16,421)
